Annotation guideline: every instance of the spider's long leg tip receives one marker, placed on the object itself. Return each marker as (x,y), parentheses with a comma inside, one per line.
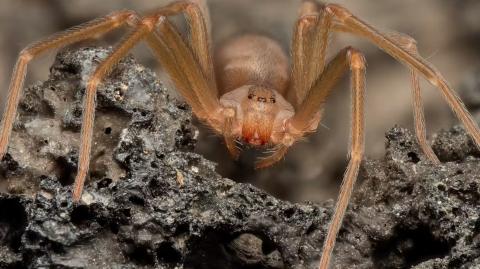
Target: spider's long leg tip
(76,197)
(434,159)
(3,152)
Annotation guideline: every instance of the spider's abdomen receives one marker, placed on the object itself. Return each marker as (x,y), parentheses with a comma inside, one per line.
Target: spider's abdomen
(251,60)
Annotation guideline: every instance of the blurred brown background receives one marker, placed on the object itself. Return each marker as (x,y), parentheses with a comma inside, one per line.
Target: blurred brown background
(447,32)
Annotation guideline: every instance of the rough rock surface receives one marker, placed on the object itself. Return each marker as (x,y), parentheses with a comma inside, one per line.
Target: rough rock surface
(152,203)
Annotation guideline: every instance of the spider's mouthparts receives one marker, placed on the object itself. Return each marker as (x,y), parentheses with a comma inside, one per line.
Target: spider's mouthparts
(255,140)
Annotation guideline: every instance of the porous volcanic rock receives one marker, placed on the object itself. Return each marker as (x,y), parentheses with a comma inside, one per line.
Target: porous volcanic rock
(151,202)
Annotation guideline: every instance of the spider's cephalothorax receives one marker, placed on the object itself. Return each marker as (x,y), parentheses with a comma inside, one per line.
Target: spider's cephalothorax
(252,75)
(258,112)
(260,115)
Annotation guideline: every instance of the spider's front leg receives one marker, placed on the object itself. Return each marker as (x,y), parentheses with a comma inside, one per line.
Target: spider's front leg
(189,67)
(62,39)
(402,48)
(348,59)
(183,64)
(347,22)
(310,40)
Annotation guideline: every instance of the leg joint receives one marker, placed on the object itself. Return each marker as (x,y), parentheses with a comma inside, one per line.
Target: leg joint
(338,11)
(26,55)
(306,21)
(151,21)
(356,58)
(131,17)
(192,7)
(120,16)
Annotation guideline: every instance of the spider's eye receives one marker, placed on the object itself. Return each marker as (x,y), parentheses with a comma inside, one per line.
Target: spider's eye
(272,100)
(262,99)
(250,96)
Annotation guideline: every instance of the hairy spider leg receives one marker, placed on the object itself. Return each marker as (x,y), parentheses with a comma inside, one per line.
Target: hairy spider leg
(310,40)
(404,50)
(347,59)
(190,79)
(412,60)
(409,44)
(85,31)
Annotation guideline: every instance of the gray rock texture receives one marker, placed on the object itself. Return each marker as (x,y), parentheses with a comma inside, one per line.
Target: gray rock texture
(152,203)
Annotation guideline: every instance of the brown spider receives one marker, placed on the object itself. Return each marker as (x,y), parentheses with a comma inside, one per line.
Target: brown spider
(253,78)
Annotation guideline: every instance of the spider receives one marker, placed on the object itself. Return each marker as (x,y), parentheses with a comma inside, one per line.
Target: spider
(248,92)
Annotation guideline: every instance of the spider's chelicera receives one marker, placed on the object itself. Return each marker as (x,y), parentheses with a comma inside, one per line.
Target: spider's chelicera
(248,92)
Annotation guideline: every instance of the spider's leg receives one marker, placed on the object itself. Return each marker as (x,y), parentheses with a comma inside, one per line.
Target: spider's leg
(198,19)
(174,70)
(88,113)
(186,73)
(352,59)
(176,56)
(410,44)
(349,23)
(195,74)
(85,31)
(310,40)
(197,84)
(419,119)
(356,62)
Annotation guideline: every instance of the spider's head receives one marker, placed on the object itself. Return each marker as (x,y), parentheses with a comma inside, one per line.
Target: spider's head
(260,113)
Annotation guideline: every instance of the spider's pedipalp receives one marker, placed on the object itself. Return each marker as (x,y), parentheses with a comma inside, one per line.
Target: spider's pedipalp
(229,136)
(277,154)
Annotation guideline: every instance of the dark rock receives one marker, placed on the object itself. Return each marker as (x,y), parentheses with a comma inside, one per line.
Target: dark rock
(409,213)
(152,203)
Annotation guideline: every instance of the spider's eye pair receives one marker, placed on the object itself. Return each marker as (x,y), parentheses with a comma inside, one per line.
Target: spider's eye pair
(262,99)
